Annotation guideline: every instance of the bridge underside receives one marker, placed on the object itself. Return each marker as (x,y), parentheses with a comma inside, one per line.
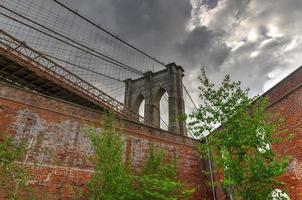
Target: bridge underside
(14,73)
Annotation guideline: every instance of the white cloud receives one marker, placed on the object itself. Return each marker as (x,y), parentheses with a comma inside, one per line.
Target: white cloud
(264,37)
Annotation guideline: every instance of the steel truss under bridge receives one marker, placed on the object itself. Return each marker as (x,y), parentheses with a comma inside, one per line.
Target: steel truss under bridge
(17,51)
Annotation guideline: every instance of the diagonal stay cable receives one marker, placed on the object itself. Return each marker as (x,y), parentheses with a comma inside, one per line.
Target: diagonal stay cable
(115,62)
(195,106)
(84,68)
(111,60)
(106,31)
(39,63)
(102,56)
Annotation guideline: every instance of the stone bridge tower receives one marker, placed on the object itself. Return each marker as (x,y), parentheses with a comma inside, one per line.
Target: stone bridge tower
(151,88)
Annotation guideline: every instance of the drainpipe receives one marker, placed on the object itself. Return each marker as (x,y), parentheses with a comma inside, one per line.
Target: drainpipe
(211,169)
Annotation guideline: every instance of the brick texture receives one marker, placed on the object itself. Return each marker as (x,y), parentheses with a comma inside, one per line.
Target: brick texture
(286,99)
(59,147)
(58,161)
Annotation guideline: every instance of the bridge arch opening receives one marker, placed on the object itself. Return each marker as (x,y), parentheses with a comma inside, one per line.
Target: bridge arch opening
(139,106)
(141,110)
(163,108)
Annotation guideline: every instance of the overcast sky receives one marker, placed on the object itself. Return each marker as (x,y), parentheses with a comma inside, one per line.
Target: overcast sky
(255,41)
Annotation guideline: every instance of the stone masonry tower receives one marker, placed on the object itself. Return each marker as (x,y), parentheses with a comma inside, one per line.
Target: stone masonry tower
(151,88)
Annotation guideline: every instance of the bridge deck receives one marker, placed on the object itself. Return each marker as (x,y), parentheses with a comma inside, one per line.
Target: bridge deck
(26,67)
(19,75)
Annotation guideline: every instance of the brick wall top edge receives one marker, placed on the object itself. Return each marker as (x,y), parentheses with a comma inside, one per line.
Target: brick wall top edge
(41,101)
(286,85)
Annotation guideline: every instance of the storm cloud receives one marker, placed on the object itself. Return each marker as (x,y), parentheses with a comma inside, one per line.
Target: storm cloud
(257,42)
(203,47)
(153,26)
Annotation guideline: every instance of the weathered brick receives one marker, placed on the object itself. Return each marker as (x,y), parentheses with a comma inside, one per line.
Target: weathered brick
(60,146)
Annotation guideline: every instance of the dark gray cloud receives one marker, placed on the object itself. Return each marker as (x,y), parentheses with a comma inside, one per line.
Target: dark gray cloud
(154,26)
(202,47)
(252,62)
(257,42)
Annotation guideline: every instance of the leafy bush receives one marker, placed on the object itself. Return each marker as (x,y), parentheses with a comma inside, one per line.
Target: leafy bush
(158,179)
(114,178)
(12,175)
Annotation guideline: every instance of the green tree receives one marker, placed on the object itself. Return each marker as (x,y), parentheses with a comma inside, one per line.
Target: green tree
(242,134)
(113,179)
(158,178)
(13,175)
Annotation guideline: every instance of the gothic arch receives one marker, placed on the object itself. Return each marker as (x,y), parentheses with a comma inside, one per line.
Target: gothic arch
(163,107)
(139,99)
(159,93)
(152,86)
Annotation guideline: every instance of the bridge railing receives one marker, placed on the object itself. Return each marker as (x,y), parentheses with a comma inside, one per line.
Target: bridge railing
(18,51)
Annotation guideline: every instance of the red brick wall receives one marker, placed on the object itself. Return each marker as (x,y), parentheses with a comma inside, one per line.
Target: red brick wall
(286,99)
(58,160)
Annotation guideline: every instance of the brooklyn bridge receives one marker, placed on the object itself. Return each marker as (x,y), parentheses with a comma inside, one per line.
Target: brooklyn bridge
(83,55)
